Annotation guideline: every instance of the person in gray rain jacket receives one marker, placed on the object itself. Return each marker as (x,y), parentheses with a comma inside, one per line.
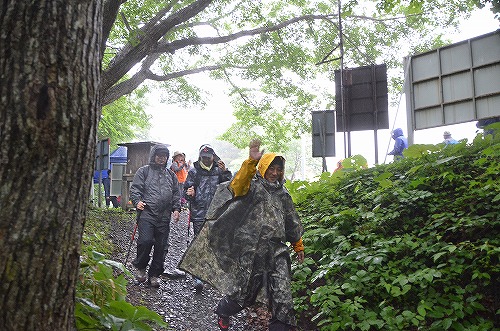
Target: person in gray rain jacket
(156,195)
(242,248)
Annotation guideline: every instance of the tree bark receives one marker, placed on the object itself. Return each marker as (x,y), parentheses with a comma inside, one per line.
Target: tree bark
(49,110)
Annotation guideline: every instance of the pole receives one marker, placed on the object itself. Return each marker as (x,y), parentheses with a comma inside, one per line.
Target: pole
(342,102)
(189,222)
(132,237)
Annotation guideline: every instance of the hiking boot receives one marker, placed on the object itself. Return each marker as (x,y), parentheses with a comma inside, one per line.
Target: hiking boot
(154,282)
(142,276)
(174,274)
(223,323)
(198,285)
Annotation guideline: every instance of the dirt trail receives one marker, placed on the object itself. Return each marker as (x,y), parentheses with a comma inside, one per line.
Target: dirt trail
(176,300)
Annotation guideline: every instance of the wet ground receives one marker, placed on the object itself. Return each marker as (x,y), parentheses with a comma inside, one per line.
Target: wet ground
(176,299)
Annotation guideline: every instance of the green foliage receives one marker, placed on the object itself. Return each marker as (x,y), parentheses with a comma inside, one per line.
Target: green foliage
(412,245)
(278,57)
(124,119)
(101,291)
(495,6)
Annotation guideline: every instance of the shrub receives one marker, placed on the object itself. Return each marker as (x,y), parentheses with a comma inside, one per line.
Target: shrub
(101,292)
(411,245)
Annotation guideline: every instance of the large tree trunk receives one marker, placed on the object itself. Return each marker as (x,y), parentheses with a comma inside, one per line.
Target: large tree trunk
(49,110)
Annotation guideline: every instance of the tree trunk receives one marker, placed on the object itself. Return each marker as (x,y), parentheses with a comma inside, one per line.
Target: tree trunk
(49,110)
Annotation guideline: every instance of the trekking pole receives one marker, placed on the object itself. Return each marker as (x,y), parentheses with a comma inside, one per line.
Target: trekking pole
(133,236)
(189,222)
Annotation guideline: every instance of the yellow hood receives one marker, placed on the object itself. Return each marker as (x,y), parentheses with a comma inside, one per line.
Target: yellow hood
(266,160)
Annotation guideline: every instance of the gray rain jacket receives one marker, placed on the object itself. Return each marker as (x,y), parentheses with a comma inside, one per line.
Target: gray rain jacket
(158,187)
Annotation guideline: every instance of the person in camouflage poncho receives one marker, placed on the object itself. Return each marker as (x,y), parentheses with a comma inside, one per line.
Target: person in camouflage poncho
(242,248)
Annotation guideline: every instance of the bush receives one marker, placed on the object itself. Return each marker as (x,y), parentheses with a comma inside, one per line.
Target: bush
(412,245)
(101,291)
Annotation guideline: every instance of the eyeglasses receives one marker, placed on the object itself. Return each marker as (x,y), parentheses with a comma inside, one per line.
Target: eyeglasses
(162,155)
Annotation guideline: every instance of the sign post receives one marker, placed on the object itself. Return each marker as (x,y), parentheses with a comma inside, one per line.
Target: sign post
(101,163)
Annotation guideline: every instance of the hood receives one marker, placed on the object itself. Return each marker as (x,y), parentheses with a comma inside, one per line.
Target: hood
(397,133)
(156,148)
(266,160)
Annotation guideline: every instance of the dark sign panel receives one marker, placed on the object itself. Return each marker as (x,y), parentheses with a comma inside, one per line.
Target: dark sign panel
(102,155)
(365,99)
(323,130)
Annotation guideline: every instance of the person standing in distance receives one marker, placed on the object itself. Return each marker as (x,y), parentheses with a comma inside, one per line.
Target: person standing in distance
(400,144)
(200,185)
(155,193)
(448,140)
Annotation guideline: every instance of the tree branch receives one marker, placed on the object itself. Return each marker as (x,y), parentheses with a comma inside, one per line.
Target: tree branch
(131,84)
(384,19)
(110,11)
(178,44)
(111,93)
(152,32)
(177,74)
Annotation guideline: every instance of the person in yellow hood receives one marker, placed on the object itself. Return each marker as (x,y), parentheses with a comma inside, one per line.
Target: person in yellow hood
(242,248)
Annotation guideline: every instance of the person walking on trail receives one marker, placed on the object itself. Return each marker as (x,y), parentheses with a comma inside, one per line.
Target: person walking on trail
(155,193)
(181,168)
(448,140)
(400,144)
(242,249)
(200,185)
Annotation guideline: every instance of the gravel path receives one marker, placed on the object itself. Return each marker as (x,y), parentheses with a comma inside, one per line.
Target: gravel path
(176,300)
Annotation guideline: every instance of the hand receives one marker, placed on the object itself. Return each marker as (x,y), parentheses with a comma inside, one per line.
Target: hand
(254,152)
(175,215)
(190,191)
(221,165)
(300,256)
(141,205)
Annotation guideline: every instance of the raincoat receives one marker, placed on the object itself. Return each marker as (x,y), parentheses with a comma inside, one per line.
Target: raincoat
(242,250)
(157,186)
(400,143)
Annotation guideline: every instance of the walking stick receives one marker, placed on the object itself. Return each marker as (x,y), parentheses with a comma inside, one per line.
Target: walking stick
(133,236)
(189,222)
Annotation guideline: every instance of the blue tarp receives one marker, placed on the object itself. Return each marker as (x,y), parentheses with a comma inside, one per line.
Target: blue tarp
(119,155)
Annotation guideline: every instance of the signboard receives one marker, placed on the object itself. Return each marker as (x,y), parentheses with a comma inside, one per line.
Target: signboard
(102,155)
(323,131)
(454,84)
(365,98)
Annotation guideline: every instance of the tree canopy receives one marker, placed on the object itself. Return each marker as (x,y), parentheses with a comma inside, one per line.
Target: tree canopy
(277,57)
(124,119)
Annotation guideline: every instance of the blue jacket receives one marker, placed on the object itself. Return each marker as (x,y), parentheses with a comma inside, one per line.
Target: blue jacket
(400,143)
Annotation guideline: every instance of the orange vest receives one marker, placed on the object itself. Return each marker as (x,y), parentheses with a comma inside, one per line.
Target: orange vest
(181,174)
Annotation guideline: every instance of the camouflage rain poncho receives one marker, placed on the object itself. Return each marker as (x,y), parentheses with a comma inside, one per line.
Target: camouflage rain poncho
(242,249)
